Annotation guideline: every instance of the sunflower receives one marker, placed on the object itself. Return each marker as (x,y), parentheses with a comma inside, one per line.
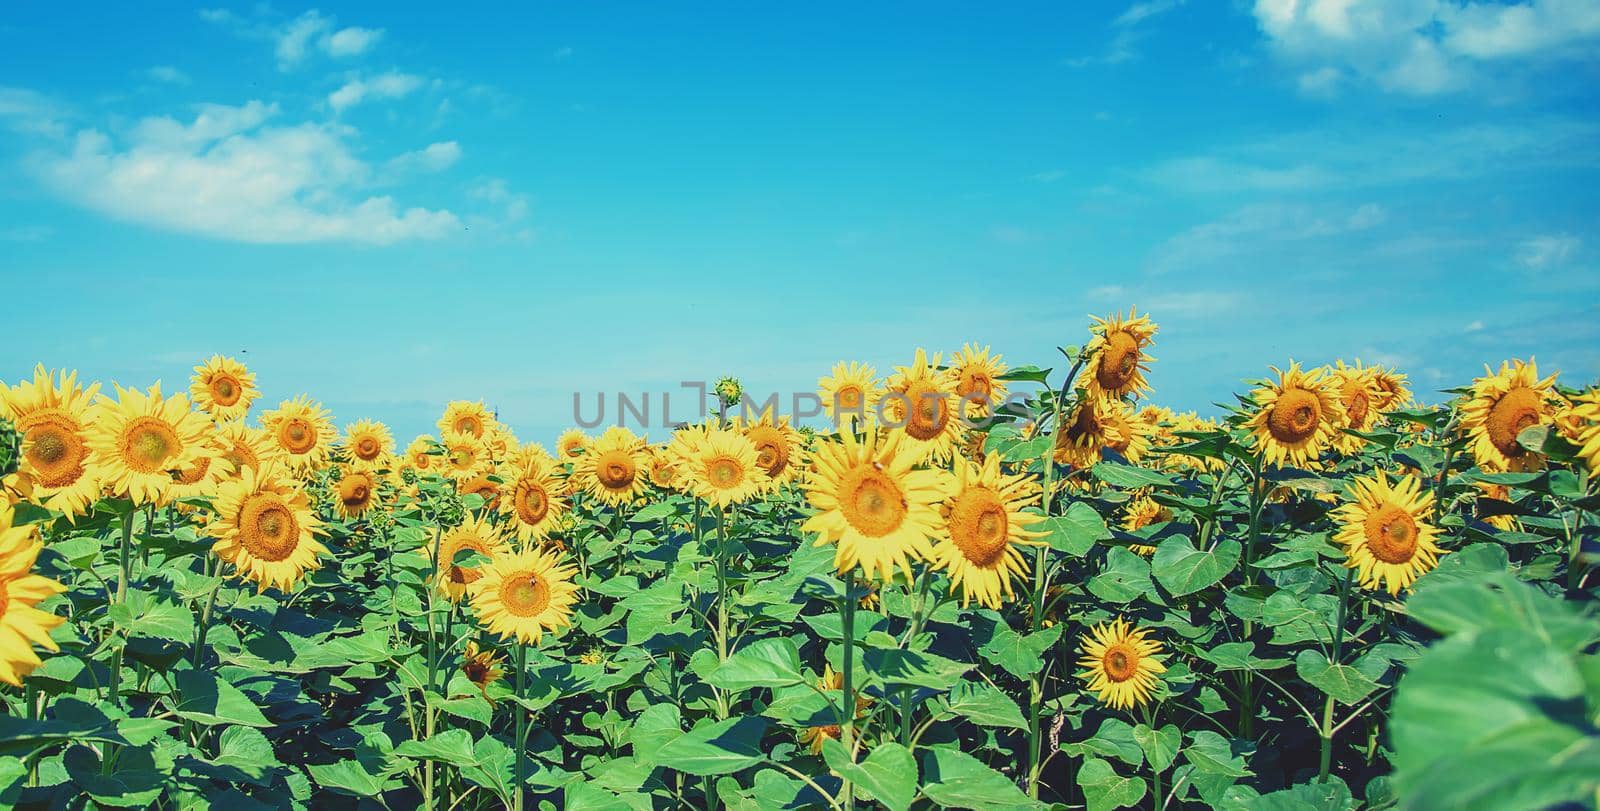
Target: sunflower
(830,681)
(53,421)
(477,534)
(1488,491)
(1189,423)
(1141,512)
(419,455)
(368,444)
(485,487)
(976,377)
(1501,406)
(1086,432)
(777,446)
(1117,356)
(1586,410)
(243,446)
(877,510)
(920,403)
(1385,532)
(531,454)
(985,529)
(481,667)
(1296,419)
(533,503)
(523,594)
(1393,392)
(1121,663)
(571,444)
(22,625)
(612,469)
(264,529)
(357,492)
(1357,387)
(463,417)
(664,470)
(502,442)
(723,469)
(850,394)
(201,477)
(223,388)
(466,457)
(1125,432)
(303,433)
(1156,416)
(138,439)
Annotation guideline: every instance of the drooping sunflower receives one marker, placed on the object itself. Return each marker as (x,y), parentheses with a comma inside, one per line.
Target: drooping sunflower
(1393,392)
(369,445)
(1357,387)
(571,444)
(502,442)
(478,534)
(1121,663)
(830,681)
(22,625)
(664,470)
(777,445)
(1586,412)
(1125,432)
(533,502)
(53,421)
(531,453)
(722,468)
(1189,423)
(481,667)
(872,505)
(137,440)
(464,417)
(465,457)
(243,446)
(1086,431)
(419,455)
(1117,360)
(1141,512)
(524,594)
(1502,405)
(223,388)
(613,468)
(850,395)
(1385,532)
(485,487)
(303,432)
(920,402)
(976,377)
(205,472)
(1296,419)
(985,529)
(265,528)
(1488,491)
(357,492)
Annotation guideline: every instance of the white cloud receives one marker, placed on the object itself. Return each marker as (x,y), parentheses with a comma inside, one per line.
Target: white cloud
(295,40)
(1211,174)
(228,175)
(1048,177)
(352,41)
(1476,326)
(1139,12)
(391,85)
(1548,250)
(30,113)
(1423,47)
(432,158)
(497,191)
(1122,47)
(168,74)
(1254,228)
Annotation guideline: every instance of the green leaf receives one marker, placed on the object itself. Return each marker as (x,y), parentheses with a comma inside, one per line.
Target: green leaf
(1346,684)
(771,662)
(917,669)
(986,705)
(349,777)
(144,616)
(1105,790)
(955,779)
(888,775)
(658,724)
(1500,601)
(1211,753)
(452,746)
(1160,745)
(1238,656)
(711,748)
(207,699)
(1114,738)
(1027,449)
(1021,656)
(1181,569)
(1129,477)
(1125,578)
(141,774)
(1075,532)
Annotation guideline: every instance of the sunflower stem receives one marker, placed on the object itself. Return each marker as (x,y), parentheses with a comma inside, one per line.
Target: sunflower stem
(124,554)
(847,729)
(1325,761)
(521,724)
(1258,500)
(1040,594)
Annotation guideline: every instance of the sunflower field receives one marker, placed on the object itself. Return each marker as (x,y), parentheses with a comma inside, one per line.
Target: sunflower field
(979,586)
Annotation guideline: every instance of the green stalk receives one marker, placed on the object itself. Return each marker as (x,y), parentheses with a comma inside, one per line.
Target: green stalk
(1040,594)
(522,725)
(847,729)
(1325,763)
(1258,501)
(204,625)
(124,555)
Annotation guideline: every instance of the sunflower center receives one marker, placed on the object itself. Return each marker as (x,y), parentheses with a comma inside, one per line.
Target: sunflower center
(268,529)
(615,470)
(469,425)
(297,435)
(367,448)
(1391,534)
(225,390)
(1516,410)
(848,397)
(534,504)
(54,450)
(524,594)
(462,575)
(355,491)
(724,471)
(476,672)
(1119,361)
(1294,416)
(975,383)
(978,526)
(872,502)
(462,458)
(929,411)
(1356,405)
(1120,662)
(147,444)
(194,472)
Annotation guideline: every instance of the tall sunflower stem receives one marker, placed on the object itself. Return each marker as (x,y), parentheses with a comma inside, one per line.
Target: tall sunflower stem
(1258,500)
(1040,594)
(1326,732)
(521,726)
(124,561)
(847,729)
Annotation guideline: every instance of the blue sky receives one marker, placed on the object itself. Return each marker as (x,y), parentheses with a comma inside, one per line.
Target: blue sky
(391,205)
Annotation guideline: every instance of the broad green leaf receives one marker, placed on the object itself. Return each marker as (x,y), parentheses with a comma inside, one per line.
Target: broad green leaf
(986,705)
(1160,745)
(204,698)
(350,777)
(955,779)
(452,746)
(140,775)
(771,662)
(711,748)
(654,727)
(1500,601)
(1346,684)
(1114,738)
(1182,569)
(1211,753)
(1125,578)
(1021,656)
(1075,532)
(1129,477)
(888,774)
(918,669)
(1238,656)
(1105,790)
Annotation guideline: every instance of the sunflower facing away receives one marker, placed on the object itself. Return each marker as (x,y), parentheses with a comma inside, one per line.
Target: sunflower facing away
(481,667)
(477,534)
(777,446)
(664,470)
(419,456)
(1085,432)
(243,446)
(53,421)
(1125,432)
(1385,532)
(21,624)
(223,388)
(356,493)
(1121,663)
(465,457)
(1490,492)
(1141,512)
(571,444)
(985,529)
(1117,359)
(920,403)
(303,432)
(533,502)
(850,395)
(976,377)
(1296,419)
(1502,405)
(1393,392)
(464,417)
(830,681)
(368,444)
(613,468)
(1586,411)
(139,439)
(871,504)
(264,529)
(721,468)
(201,477)
(1357,387)
(524,594)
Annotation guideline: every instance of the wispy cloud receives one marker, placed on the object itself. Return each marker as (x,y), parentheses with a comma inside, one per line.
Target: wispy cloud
(391,85)
(1547,251)
(31,113)
(435,157)
(1128,33)
(296,39)
(168,74)
(1256,228)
